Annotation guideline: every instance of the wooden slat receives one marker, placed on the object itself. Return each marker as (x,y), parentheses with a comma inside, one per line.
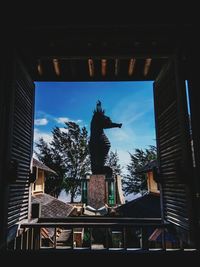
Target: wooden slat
(39,68)
(15,194)
(103,67)
(18,206)
(18,210)
(116,66)
(170,133)
(22,197)
(147,66)
(17,202)
(131,67)
(21,145)
(56,66)
(178,211)
(13,221)
(91,67)
(14,189)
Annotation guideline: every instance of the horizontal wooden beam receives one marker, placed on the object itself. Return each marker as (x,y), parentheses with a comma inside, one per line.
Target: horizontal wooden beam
(76,51)
(101,219)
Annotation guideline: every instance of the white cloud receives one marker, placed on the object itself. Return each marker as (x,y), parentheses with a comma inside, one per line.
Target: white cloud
(118,135)
(124,159)
(40,122)
(132,109)
(62,120)
(132,118)
(64,130)
(136,131)
(47,136)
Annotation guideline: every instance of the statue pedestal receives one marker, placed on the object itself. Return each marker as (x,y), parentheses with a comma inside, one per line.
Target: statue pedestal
(96,192)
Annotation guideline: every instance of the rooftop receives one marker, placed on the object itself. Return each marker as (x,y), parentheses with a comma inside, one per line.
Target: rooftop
(40,165)
(147,206)
(52,207)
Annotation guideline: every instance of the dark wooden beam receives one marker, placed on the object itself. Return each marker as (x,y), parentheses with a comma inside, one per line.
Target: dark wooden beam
(116,66)
(91,67)
(56,66)
(73,68)
(131,67)
(147,65)
(103,67)
(77,53)
(39,68)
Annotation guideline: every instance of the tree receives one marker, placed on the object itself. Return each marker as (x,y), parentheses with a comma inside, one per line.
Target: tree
(135,181)
(113,162)
(68,156)
(52,159)
(72,146)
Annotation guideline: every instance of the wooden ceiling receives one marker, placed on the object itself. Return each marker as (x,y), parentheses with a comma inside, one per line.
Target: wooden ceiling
(89,53)
(101,69)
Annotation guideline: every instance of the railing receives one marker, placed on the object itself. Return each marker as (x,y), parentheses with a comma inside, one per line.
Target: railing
(95,233)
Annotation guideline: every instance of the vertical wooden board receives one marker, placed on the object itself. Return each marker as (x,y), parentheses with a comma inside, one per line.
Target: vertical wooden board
(20,145)
(174,147)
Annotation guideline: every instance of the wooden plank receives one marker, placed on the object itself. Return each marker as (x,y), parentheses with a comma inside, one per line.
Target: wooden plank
(15,194)
(21,144)
(103,67)
(91,67)
(13,221)
(39,68)
(102,219)
(147,66)
(88,224)
(117,63)
(170,129)
(56,65)
(17,206)
(131,67)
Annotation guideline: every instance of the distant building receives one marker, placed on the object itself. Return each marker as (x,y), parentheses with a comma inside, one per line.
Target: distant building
(39,170)
(148,206)
(46,206)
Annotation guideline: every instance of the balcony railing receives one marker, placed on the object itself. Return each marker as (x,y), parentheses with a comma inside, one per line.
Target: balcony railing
(96,233)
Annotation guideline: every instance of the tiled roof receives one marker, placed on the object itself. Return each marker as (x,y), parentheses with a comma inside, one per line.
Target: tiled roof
(147,206)
(40,165)
(52,207)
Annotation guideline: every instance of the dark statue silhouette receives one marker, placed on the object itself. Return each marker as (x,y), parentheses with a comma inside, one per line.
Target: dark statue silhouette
(99,144)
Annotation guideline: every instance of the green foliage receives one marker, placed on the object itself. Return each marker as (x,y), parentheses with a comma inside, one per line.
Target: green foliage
(52,159)
(113,162)
(135,180)
(69,149)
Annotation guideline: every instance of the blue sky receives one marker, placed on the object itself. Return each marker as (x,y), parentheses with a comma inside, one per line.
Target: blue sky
(129,103)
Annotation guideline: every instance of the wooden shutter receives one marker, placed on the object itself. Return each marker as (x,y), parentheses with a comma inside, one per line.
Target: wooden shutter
(20,145)
(174,148)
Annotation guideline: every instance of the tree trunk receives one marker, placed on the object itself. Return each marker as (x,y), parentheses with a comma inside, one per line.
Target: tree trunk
(72,197)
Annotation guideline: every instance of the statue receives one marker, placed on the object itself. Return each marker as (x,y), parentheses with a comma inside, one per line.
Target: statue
(99,144)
